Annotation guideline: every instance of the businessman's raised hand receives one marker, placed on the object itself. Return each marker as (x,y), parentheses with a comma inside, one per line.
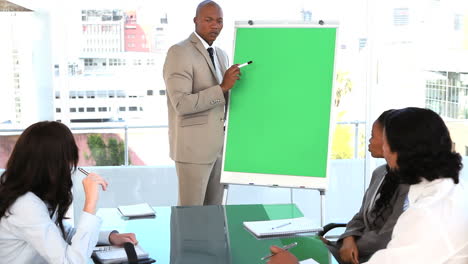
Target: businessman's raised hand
(230,77)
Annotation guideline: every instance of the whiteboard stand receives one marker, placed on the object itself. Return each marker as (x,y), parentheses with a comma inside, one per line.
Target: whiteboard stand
(254,152)
(322,207)
(291,195)
(225,194)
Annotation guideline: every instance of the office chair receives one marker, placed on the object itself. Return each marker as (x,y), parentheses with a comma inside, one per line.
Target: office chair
(327,228)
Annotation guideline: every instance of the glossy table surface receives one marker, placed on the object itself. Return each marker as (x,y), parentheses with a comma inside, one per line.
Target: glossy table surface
(211,234)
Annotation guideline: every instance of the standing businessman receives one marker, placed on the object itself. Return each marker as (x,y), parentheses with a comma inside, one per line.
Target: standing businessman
(197,85)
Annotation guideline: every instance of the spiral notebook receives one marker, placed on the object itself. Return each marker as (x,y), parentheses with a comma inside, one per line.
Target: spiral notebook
(282,227)
(112,254)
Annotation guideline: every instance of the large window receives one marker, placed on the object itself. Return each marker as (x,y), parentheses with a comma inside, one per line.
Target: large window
(447,94)
(108,56)
(419,59)
(97,67)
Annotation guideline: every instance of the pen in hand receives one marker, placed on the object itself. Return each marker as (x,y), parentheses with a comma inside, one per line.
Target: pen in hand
(284,248)
(104,185)
(83,171)
(244,64)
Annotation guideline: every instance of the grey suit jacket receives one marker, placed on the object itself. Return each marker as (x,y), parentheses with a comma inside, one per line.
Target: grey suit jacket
(369,239)
(195,102)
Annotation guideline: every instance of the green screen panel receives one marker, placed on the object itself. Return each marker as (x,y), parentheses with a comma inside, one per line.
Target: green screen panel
(279,112)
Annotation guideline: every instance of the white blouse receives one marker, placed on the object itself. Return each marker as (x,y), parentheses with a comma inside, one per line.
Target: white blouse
(434,228)
(29,235)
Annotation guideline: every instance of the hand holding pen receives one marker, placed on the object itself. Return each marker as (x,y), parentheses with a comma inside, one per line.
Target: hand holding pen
(276,253)
(91,188)
(232,75)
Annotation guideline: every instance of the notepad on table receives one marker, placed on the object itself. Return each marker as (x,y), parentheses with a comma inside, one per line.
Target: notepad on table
(282,227)
(308,261)
(112,254)
(137,210)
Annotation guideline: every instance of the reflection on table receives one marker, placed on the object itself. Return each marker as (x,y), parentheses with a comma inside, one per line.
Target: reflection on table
(211,234)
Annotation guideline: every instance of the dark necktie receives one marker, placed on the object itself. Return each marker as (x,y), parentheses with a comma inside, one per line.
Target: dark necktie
(211,51)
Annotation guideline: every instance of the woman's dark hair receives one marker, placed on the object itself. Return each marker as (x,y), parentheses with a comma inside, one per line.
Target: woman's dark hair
(383,116)
(423,144)
(387,189)
(41,162)
(382,208)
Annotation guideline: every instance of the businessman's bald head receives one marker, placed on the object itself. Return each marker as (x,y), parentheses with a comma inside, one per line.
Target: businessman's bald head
(208,21)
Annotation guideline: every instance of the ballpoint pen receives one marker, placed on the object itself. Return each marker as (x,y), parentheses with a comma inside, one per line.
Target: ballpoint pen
(282,225)
(284,248)
(83,171)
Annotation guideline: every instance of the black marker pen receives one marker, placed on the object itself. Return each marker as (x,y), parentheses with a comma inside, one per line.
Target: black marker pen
(244,64)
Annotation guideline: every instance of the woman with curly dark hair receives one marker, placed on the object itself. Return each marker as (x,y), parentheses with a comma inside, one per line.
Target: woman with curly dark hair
(384,201)
(35,194)
(434,229)
(371,228)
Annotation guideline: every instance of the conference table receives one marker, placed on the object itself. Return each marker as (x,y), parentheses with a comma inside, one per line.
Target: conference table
(211,234)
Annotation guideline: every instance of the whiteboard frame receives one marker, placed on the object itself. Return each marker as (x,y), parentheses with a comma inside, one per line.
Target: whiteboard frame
(277,180)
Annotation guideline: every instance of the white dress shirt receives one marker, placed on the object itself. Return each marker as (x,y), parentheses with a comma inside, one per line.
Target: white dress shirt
(219,74)
(29,235)
(375,196)
(434,228)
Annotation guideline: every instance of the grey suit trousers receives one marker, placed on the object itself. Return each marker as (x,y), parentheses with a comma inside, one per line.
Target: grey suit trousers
(199,184)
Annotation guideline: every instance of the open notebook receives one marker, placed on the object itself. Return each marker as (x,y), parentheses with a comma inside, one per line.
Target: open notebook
(137,210)
(308,261)
(112,254)
(282,227)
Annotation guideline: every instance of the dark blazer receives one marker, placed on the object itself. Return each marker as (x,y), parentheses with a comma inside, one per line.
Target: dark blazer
(371,238)
(195,102)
